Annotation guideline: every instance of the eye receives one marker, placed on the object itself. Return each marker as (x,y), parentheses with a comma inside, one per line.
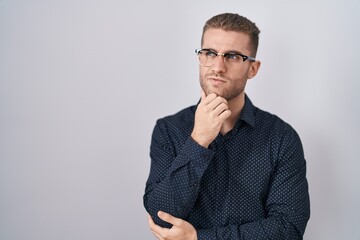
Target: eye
(232,56)
(209,53)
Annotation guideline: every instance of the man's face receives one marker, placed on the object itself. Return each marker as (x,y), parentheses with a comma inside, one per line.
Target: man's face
(226,80)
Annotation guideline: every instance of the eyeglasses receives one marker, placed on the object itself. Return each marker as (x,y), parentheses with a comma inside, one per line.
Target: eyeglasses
(207,57)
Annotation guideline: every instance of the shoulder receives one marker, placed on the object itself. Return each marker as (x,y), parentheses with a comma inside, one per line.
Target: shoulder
(178,125)
(271,122)
(184,116)
(276,128)
(282,135)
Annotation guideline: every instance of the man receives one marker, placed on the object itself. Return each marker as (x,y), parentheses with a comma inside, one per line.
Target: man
(224,169)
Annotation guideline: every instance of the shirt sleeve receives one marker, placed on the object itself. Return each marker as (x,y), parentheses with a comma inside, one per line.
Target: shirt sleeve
(287,205)
(174,178)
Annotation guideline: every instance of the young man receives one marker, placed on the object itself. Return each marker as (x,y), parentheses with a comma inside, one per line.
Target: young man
(224,169)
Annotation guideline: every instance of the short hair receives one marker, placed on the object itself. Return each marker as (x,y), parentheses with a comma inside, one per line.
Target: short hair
(235,22)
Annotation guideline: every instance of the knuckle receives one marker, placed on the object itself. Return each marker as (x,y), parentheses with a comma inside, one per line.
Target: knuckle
(212,114)
(224,105)
(205,107)
(221,107)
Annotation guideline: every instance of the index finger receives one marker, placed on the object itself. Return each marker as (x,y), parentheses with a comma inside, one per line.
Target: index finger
(156,229)
(169,218)
(209,98)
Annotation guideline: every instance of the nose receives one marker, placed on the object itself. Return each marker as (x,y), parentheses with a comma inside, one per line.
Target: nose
(219,64)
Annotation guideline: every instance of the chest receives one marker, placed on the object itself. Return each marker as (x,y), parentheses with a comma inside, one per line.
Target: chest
(238,165)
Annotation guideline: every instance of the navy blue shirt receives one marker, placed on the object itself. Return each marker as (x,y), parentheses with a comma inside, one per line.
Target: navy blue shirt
(249,184)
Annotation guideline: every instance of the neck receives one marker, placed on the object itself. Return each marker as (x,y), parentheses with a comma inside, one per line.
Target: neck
(235,105)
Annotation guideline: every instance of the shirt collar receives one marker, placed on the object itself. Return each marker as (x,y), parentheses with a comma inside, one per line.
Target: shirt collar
(248,112)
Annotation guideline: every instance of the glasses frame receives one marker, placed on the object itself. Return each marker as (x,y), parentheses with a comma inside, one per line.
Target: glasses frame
(244,57)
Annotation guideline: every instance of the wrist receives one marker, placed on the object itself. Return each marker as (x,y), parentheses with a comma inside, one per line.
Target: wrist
(199,140)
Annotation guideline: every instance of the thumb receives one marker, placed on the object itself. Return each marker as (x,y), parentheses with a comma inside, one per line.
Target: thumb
(169,218)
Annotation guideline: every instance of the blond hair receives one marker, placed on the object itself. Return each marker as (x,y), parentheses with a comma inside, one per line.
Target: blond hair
(235,22)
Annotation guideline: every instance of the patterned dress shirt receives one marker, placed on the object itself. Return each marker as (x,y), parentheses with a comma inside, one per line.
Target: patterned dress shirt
(249,184)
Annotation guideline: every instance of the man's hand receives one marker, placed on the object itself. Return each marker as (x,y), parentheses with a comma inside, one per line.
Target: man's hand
(181,230)
(210,114)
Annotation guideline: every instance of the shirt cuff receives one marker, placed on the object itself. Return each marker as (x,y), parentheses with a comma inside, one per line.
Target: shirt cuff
(205,234)
(195,154)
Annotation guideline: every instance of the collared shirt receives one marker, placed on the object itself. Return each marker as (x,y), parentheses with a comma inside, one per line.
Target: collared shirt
(248,184)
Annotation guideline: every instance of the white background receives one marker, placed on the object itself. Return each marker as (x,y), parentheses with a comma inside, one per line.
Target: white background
(83,82)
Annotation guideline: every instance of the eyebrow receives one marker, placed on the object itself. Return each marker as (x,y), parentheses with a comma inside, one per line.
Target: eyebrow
(230,51)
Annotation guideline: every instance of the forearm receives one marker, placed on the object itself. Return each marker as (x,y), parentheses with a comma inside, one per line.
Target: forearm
(264,229)
(176,191)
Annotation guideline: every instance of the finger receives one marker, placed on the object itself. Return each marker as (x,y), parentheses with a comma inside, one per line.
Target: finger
(156,229)
(210,97)
(220,109)
(157,235)
(150,219)
(151,222)
(169,218)
(224,115)
(216,102)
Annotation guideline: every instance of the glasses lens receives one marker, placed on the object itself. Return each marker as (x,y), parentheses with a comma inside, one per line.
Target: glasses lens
(206,57)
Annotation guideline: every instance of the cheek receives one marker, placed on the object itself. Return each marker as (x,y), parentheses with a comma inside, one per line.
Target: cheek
(240,75)
(202,73)
(248,72)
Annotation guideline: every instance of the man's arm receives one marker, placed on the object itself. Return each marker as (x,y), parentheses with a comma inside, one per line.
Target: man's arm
(174,178)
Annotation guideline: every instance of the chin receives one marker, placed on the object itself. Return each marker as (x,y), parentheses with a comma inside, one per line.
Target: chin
(217,92)
(209,90)
(227,95)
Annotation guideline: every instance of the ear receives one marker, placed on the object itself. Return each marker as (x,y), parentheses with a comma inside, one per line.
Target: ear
(254,68)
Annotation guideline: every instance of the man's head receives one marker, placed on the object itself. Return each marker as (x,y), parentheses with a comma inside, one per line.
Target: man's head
(235,22)
(228,47)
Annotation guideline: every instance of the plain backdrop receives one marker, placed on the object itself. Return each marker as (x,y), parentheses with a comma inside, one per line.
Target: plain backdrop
(82,83)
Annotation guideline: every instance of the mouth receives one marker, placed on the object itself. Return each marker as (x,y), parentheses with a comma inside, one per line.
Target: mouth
(216,81)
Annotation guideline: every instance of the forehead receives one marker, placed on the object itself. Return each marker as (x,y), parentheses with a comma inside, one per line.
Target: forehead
(222,41)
